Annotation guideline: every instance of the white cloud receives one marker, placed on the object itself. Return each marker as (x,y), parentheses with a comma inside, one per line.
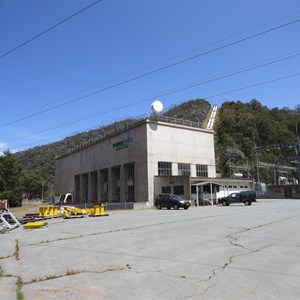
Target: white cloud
(3,147)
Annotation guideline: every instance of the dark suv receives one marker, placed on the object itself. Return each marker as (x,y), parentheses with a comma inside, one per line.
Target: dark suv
(246,197)
(168,201)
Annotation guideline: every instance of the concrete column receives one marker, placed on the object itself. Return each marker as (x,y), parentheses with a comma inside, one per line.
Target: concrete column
(88,200)
(193,170)
(98,186)
(122,184)
(174,169)
(81,189)
(109,186)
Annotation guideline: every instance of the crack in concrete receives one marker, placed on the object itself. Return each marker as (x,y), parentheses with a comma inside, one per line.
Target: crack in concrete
(117,268)
(19,281)
(130,228)
(15,254)
(234,242)
(8,256)
(18,284)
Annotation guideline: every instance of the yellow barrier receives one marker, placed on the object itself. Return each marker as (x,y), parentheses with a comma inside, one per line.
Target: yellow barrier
(68,211)
(98,209)
(32,225)
(45,211)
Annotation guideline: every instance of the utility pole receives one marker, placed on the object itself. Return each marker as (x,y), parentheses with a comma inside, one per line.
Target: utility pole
(256,166)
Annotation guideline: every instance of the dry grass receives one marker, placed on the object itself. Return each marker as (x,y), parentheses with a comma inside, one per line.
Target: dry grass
(25,209)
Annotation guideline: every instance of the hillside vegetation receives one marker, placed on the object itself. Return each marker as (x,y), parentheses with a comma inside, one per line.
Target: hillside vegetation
(237,126)
(240,126)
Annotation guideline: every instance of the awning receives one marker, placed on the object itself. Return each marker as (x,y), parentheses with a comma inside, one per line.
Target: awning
(207,182)
(211,193)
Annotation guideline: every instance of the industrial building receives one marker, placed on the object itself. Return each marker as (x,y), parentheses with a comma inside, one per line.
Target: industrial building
(130,166)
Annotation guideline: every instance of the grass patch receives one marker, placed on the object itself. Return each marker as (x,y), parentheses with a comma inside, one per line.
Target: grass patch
(49,277)
(17,251)
(19,284)
(72,272)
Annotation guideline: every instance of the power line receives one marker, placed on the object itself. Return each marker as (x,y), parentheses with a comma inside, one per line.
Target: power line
(215,78)
(253,85)
(218,77)
(49,29)
(135,103)
(156,70)
(158,63)
(160,95)
(236,72)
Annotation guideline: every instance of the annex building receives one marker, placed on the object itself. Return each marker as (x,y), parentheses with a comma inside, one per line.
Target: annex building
(133,164)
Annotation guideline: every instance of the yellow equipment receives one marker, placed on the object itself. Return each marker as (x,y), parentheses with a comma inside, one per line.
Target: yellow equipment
(33,225)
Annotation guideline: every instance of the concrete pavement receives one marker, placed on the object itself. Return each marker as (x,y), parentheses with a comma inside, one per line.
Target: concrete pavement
(235,252)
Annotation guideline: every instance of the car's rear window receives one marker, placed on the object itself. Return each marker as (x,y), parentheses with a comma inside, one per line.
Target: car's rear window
(176,197)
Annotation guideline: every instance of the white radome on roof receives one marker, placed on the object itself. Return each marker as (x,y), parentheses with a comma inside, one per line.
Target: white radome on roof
(157,106)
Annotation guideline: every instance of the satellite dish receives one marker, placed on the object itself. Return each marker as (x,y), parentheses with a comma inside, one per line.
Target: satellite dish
(157,106)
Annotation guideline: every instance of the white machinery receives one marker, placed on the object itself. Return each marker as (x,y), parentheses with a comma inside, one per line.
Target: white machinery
(8,220)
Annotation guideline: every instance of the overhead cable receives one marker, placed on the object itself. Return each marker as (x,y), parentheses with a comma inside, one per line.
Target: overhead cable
(241,70)
(253,85)
(156,70)
(156,64)
(49,29)
(135,103)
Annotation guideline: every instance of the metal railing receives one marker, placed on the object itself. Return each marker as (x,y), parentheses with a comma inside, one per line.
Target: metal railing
(177,121)
(130,124)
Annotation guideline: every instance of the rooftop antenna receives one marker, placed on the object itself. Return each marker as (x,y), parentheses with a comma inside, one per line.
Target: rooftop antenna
(157,107)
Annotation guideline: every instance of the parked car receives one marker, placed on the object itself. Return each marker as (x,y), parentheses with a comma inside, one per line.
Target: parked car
(246,197)
(168,201)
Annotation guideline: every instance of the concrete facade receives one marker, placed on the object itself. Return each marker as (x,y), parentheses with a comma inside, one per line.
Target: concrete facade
(122,167)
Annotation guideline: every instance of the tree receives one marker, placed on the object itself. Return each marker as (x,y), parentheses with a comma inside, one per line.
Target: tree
(34,186)
(10,174)
(233,154)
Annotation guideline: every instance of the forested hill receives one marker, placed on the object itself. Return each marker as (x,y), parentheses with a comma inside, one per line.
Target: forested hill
(237,126)
(240,126)
(41,159)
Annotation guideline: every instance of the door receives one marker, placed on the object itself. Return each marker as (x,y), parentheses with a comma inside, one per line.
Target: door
(234,198)
(169,201)
(288,192)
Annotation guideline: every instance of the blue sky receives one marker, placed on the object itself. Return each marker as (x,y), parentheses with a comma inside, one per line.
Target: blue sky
(102,65)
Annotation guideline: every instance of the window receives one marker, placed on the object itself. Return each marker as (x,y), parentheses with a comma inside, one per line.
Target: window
(104,185)
(85,186)
(115,183)
(178,190)
(164,168)
(201,171)
(243,187)
(129,182)
(184,169)
(94,180)
(166,190)
(77,188)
